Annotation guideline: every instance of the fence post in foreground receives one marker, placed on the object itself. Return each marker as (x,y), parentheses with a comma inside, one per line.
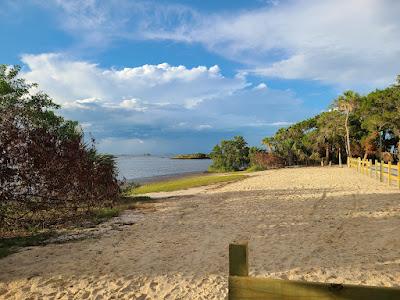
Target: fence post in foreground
(359,165)
(381,172)
(398,174)
(238,259)
(389,173)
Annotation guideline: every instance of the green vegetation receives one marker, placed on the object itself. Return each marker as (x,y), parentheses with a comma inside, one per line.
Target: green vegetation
(235,155)
(355,126)
(103,214)
(123,203)
(183,183)
(192,156)
(230,155)
(49,174)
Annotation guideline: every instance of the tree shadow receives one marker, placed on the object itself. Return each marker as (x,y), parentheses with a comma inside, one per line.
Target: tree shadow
(291,233)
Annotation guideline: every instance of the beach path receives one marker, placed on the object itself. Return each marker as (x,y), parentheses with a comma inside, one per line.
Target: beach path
(316,224)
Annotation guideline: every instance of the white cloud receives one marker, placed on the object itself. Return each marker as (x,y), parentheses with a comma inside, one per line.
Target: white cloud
(260,86)
(147,106)
(344,42)
(69,80)
(203,127)
(347,43)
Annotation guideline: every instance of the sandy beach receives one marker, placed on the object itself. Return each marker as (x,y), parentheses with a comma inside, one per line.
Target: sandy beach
(314,224)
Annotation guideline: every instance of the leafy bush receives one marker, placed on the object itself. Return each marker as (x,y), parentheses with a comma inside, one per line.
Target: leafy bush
(47,172)
(261,160)
(230,155)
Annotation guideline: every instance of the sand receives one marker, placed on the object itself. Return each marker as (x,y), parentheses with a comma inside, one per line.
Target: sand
(314,224)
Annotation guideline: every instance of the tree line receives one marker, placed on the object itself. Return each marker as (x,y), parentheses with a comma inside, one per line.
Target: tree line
(354,125)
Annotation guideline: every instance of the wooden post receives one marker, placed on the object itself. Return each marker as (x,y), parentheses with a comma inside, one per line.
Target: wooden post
(398,173)
(389,173)
(381,172)
(243,287)
(238,259)
(359,165)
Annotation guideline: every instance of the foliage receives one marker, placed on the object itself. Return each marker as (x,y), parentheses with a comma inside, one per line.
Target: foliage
(184,183)
(230,155)
(366,126)
(262,160)
(192,156)
(47,172)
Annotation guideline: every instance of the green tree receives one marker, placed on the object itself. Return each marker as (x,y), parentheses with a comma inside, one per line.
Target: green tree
(330,132)
(230,155)
(347,103)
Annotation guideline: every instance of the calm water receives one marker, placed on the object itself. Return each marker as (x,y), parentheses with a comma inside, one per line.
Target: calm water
(138,167)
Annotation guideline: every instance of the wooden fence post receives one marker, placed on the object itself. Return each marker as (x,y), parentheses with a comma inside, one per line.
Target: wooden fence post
(238,259)
(389,173)
(381,172)
(359,165)
(244,287)
(398,174)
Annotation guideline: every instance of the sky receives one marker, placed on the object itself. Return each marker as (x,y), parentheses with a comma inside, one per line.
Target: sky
(167,77)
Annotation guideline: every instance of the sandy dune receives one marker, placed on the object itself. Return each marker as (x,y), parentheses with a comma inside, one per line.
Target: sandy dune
(316,224)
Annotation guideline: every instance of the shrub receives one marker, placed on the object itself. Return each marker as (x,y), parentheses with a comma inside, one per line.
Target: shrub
(262,160)
(230,155)
(47,172)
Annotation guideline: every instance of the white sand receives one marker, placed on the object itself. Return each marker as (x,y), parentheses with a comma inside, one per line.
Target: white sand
(315,224)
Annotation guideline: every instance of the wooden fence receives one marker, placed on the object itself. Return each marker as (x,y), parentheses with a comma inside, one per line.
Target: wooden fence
(388,173)
(242,286)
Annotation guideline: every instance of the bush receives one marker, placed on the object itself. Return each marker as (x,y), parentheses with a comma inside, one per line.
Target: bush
(230,155)
(47,172)
(261,160)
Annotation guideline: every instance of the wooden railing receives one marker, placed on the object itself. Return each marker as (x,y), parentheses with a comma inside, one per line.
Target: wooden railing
(388,173)
(242,286)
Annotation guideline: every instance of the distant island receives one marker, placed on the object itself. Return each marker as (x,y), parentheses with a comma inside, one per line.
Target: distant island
(192,156)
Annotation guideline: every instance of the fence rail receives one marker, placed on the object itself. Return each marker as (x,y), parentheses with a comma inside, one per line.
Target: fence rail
(388,173)
(242,286)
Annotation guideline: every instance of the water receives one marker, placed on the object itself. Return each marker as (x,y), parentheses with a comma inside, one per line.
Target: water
(139,167)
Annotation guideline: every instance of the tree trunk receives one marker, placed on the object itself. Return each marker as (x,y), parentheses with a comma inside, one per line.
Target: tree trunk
(380,145)
(340,158)
(327,153)
(348,150)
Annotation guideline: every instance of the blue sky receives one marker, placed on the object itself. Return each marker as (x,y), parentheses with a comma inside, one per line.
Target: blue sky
(170,77)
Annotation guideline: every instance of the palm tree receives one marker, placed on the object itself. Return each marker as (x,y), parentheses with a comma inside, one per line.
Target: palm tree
(347,103)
